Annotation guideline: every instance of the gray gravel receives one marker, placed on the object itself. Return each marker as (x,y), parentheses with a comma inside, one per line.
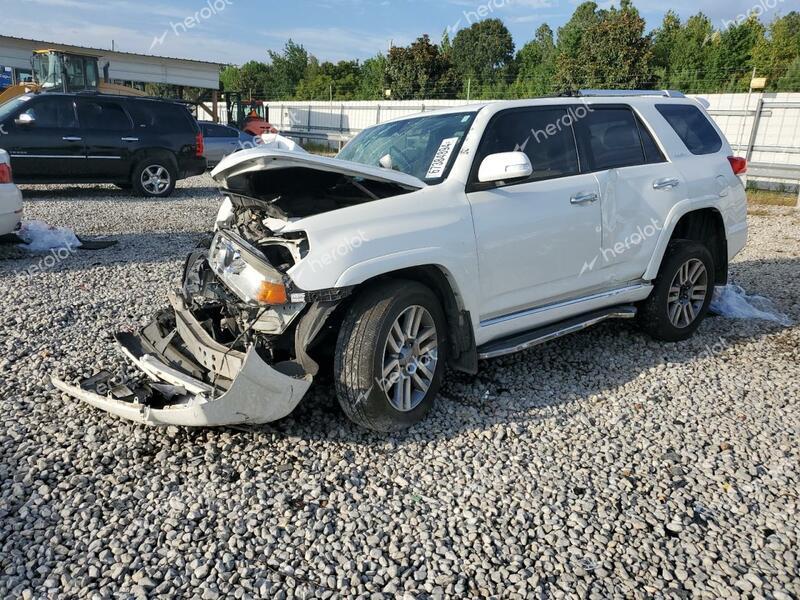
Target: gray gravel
(603,465)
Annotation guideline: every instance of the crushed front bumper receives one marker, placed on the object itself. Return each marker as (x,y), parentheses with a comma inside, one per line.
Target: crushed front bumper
(249,390)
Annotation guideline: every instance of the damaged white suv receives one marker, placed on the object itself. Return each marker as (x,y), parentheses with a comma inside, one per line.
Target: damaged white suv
(434,241)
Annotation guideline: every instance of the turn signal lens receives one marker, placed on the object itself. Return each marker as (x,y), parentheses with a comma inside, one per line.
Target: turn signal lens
(738,164)
(200,145)
(5,174)
(271,293)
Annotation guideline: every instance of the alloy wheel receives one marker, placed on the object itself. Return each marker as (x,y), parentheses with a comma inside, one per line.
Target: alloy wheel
(687,293)
(409,358)
(155,179)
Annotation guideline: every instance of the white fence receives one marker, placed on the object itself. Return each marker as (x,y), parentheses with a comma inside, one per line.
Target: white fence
(763,127)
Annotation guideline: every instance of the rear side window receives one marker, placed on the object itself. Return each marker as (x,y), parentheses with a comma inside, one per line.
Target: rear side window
(103,115)
(218,131)
(693,127)
(613,138)
(162,117)
(545,135)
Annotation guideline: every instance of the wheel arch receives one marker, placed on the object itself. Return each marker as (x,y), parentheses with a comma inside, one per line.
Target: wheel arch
(463,354)
(705,225)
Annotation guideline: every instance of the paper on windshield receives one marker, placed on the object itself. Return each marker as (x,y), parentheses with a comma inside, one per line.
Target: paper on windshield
(442,158)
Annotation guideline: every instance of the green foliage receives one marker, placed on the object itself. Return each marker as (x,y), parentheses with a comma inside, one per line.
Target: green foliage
(484,52)
(595,48)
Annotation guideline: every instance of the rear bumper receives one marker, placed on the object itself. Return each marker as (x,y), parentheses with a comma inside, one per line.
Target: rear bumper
(189,167)
(10,208)
(256,392)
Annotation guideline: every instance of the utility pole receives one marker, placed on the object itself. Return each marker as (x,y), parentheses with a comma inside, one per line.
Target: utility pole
(469,88)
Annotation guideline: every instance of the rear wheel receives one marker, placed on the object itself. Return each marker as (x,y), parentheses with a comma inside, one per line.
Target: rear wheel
(682,292)
(390,356)
(154,177)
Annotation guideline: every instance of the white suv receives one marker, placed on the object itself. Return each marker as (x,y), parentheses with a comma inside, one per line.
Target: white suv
(435,241)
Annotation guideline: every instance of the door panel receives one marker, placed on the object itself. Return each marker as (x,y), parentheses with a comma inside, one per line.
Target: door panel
(637,184)
(535,238)
(534,243)
(49,148)
(109,137)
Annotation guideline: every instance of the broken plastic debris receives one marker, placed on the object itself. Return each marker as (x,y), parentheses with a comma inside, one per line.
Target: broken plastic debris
(41,237)
(731,301)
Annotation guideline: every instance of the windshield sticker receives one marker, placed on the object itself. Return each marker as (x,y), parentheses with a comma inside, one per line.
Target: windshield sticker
(441,159)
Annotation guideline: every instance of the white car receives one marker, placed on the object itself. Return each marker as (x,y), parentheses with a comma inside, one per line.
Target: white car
(10,197)
(435,241)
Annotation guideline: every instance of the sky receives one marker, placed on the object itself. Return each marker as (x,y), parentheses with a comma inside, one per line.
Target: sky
(235,31)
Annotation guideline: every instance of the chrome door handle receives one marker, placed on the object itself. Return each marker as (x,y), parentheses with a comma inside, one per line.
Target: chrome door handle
(72,139)
(130,139)
(666,184)
(586,198)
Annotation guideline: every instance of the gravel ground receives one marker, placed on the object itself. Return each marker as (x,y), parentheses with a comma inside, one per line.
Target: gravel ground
(602,465)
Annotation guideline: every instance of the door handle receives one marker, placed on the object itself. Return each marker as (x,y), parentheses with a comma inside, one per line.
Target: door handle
(130,139)
(72,139)
(586,198)
(666,184)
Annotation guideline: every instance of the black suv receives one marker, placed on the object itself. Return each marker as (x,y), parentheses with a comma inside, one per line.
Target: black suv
(140,143)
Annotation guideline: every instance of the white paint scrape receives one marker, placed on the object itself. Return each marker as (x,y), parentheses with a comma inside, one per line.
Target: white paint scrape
(733,302)
(41,237)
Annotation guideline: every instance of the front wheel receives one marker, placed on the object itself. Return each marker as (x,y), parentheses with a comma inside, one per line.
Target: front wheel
(682,292)
(390,356)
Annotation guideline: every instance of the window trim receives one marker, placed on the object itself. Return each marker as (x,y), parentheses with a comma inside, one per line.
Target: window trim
(473,185)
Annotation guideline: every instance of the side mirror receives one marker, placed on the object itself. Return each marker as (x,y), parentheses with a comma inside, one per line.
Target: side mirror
(25,119)
(505,166)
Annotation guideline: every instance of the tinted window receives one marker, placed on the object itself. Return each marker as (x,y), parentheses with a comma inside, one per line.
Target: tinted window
(162,117)
(693,127)
(544,135)
(652,153)
(103,115)
(609,139)
(57,111)
(218,131)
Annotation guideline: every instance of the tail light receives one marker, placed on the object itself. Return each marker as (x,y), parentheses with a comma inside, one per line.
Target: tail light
(5,173)
(738,164)
(200,145)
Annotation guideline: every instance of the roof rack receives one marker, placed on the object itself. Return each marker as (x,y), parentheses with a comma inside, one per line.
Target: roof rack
(657,93)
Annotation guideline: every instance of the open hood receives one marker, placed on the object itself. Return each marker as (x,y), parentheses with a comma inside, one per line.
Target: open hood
(271,159)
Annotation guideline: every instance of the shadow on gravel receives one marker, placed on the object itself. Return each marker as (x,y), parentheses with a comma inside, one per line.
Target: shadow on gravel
(526,387)
(78,193)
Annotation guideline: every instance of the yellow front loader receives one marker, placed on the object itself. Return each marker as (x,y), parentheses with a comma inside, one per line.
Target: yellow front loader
(55,70)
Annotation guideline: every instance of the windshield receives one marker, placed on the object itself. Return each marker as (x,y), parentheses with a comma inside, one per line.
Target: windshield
(8,108)
(48,70)
(423,147)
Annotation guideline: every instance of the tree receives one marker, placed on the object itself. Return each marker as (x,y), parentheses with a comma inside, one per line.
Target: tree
(606,48)
(665,39)
(570,61)
(778,50)
(418,71)
(730,60)
(790,82)
(287,70)
(536,65)
(689,57)
(372,82)
(484,52)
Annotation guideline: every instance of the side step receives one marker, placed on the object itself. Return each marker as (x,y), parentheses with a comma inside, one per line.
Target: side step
(529,339)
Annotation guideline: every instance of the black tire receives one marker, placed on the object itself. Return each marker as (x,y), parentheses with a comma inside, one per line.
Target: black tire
(658,313)
(164,166)
(360,353)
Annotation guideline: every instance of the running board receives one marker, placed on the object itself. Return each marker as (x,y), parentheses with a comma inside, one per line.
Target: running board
(529,339)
